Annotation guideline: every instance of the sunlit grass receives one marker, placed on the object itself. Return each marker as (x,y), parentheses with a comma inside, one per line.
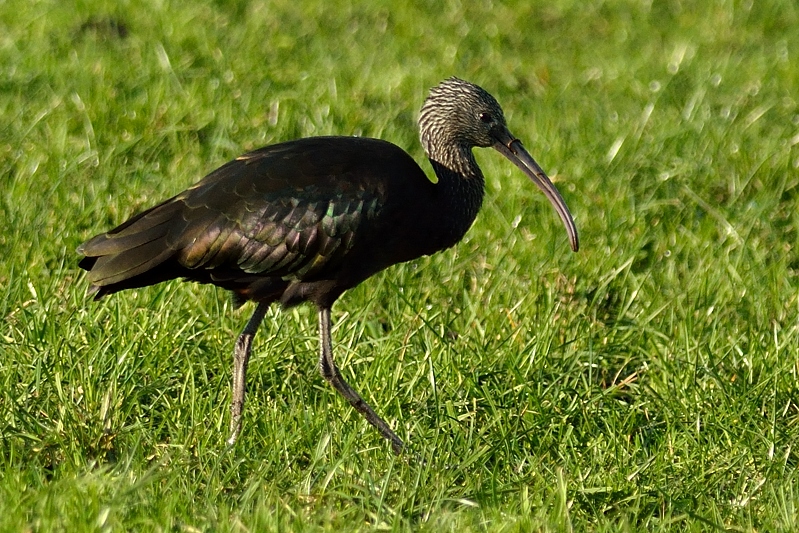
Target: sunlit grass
(648,382)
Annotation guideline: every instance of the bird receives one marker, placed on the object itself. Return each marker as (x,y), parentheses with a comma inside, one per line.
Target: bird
(305,220)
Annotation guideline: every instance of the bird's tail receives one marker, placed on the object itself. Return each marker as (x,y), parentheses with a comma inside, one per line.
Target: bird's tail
(129,255)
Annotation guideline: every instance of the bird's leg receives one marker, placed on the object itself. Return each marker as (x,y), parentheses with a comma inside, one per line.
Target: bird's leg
(331,373)
(241,357)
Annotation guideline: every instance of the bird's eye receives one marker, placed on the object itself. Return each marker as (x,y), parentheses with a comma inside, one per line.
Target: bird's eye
(486,117)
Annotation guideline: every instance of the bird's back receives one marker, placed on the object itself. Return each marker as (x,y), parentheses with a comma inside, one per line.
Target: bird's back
(305,219)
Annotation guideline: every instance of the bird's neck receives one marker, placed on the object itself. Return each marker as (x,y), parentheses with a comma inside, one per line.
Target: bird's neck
(462,187)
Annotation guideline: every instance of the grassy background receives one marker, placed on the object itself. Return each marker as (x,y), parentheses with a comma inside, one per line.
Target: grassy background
(648,382)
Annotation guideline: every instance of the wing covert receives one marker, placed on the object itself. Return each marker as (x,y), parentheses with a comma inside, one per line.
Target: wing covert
(293,235)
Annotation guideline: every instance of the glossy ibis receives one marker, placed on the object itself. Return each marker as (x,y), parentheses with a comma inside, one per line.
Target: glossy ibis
(306,220)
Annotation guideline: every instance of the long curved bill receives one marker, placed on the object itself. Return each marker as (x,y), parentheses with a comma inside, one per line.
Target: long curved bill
(512,148)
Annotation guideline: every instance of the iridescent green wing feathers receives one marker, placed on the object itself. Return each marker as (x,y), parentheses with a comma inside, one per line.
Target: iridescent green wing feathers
(288,211)
(285,237)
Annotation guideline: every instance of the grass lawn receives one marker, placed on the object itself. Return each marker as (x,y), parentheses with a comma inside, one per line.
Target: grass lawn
(649,382)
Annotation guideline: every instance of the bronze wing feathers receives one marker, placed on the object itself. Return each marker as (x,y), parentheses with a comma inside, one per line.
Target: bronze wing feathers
(288,211)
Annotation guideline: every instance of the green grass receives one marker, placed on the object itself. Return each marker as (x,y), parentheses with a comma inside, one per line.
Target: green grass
(646,383)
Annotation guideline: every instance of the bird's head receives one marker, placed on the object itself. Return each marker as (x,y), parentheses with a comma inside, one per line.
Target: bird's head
(458,115)
(461,113)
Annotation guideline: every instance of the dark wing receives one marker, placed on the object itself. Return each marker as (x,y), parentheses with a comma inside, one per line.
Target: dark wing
(292,211)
